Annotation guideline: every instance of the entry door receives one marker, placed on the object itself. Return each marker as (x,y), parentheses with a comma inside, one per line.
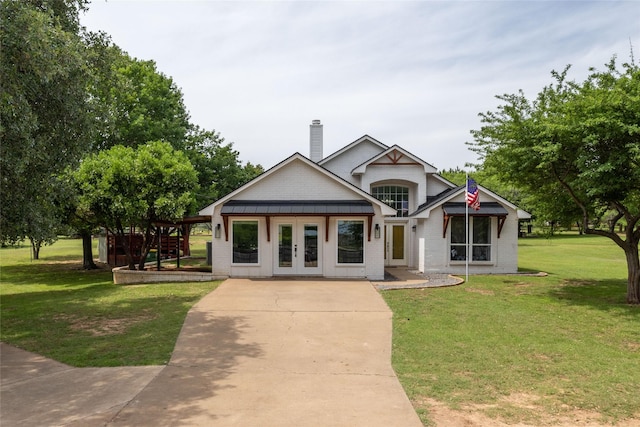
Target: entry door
(298,248)
(394,244)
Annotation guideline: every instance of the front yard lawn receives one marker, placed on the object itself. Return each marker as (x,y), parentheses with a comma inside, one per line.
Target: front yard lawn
(54,308)
(562,349)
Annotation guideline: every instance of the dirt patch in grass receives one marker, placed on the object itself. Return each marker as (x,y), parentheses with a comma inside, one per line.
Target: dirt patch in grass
(525,410)
(633,346)
(99,327)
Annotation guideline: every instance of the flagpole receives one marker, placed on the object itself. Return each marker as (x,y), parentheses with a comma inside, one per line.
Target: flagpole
(466,230)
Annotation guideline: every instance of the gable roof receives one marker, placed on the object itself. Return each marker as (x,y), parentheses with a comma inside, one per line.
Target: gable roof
(297,157)
(394,154)
(425,209)
(352,145)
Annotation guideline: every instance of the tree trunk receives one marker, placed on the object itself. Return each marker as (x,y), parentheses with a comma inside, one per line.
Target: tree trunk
(633,269)
(127,251)
(630,248)
(87,251)
(124,238)
(132,264)
(146,246)
(35,247)
(186,231)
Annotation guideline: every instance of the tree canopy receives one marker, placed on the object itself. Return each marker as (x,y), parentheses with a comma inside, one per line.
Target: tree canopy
(140,104)
(219,168)
(45,122)
(576,149)
(124,186)
(66,92)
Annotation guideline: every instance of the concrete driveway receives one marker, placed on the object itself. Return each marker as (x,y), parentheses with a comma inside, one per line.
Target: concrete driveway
(278,353)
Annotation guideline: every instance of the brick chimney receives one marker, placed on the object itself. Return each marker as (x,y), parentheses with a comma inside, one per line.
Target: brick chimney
(315,141)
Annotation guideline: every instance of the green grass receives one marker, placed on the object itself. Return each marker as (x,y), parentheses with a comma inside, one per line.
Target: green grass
(54,308)
(567,341)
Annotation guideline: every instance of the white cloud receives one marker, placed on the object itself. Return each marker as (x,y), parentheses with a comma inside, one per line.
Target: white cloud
(414,74)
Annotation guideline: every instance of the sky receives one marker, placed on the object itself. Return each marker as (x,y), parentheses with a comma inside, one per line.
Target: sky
(412,73)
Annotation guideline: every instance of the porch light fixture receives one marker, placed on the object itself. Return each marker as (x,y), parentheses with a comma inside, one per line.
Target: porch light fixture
(413,228)
(217,231)
(377,231)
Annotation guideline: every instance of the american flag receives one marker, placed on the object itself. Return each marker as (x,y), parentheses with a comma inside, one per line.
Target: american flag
(472,194)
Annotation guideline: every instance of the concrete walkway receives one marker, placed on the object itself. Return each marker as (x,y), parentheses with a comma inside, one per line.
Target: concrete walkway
(36,391)
(403,278)
(261,353)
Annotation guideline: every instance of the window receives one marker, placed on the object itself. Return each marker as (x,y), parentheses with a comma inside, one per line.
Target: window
(481,249)
(458,242)
(480,232)
(350,242)
(245,242)
(395,196)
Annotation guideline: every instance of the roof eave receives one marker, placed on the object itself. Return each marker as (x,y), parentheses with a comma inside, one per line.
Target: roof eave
(361,168)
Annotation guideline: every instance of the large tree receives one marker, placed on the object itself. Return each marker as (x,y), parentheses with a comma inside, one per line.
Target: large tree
(123,187)
(220,170)
(140,104)
(576,143)
(44,110)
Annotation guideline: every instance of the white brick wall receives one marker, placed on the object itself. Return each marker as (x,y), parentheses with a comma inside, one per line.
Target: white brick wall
(372,269)
(347,161)
(504,250)
(435,186)
(297,181)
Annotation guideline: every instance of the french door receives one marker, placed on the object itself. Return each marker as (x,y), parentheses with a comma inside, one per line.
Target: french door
(298,247)
(394,244)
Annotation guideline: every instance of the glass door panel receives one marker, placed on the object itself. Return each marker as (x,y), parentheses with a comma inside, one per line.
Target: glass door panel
(285,245)
(298,246)
(310,245)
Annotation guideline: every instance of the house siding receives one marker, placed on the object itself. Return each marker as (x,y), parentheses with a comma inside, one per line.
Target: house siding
(296,182)
(297,178)
(437,249)
(222,264)
(344,164)
(435,186)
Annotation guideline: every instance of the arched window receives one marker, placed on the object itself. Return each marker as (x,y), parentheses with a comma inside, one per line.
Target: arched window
(395,196)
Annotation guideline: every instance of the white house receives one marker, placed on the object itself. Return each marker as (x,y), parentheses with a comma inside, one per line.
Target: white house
(354,212)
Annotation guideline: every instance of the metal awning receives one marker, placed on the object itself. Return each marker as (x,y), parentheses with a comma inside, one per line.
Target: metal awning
(486,209)
(269,208)
(297,207)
